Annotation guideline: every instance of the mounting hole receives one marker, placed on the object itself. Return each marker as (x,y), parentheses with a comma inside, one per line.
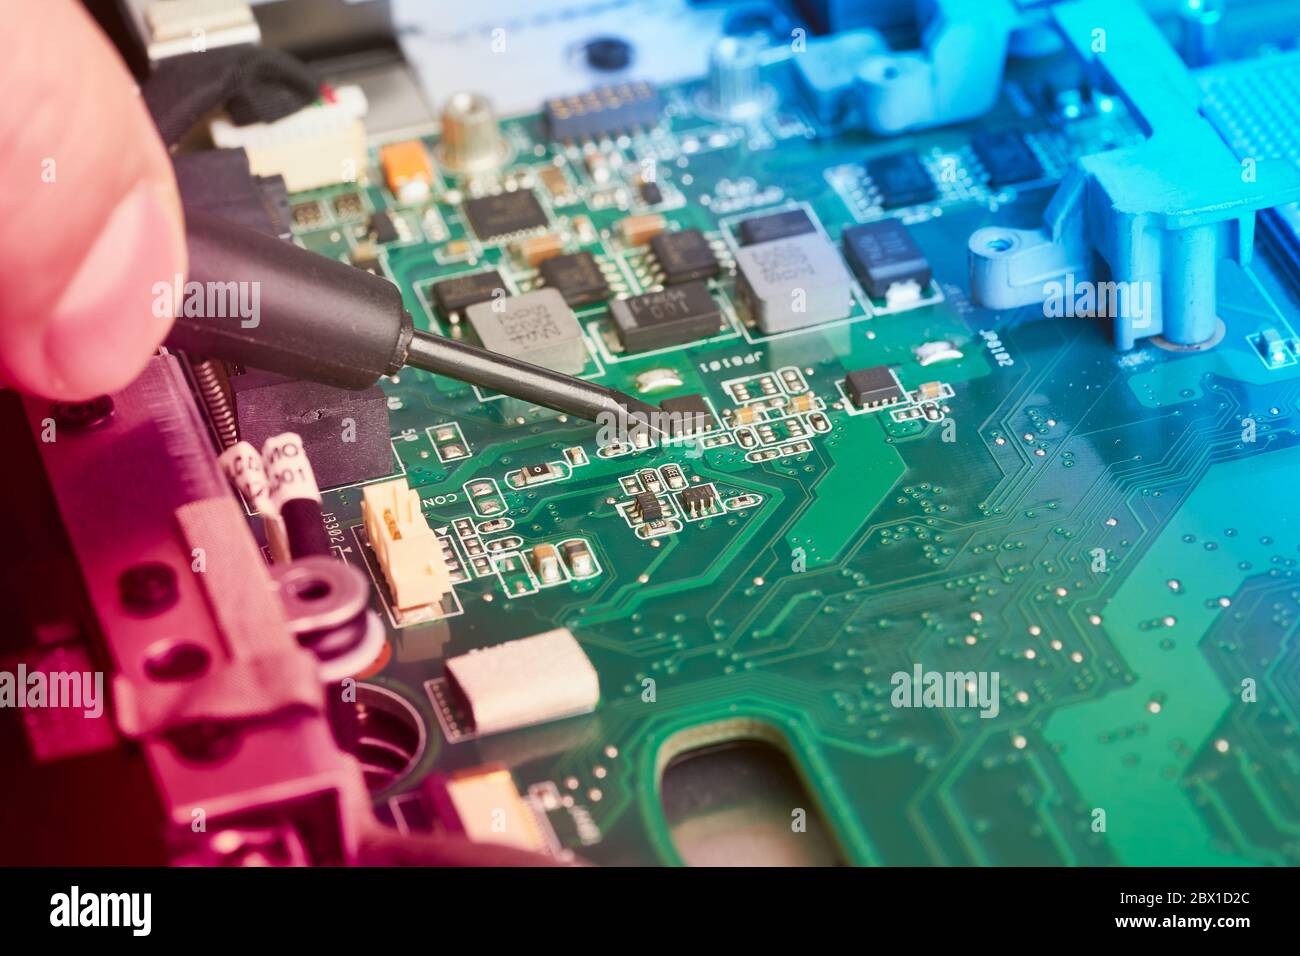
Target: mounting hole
(312,589)
(385,733)
(999,244)
(176,660)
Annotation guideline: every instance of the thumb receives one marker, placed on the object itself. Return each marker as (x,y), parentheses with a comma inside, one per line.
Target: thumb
(90,219)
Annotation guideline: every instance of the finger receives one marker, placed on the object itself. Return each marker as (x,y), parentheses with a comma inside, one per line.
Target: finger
(90,219)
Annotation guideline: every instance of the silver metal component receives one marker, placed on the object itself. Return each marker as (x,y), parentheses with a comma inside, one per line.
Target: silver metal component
(471,136)
(735,87)
(1200,23)
(209,380)
(328,604)
(154,459)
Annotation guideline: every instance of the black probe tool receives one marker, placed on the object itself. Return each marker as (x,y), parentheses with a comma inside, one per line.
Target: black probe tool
(321,319)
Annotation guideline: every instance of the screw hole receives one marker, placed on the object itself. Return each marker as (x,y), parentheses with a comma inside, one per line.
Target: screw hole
(178,660)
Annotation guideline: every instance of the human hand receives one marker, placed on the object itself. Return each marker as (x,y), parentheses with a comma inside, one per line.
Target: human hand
(90,219)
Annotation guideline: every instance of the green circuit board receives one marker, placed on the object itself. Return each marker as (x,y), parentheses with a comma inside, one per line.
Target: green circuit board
(1113,535)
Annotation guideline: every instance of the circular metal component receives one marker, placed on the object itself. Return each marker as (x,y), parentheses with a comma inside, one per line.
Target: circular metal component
(608,54)
(320,592)
(471,136)
(390,737)
(1219,331)
(147,588)
(176,660)
(735,89)
(86,414)
(328,604)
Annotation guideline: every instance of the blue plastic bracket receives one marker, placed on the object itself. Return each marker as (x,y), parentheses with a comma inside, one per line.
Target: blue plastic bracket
(1155,218)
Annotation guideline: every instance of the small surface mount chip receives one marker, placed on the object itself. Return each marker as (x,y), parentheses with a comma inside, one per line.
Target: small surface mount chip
(504,214)
(874,387)
(779,225)
(887,262)
(454,295)
(1006,157)
(698,502)
(537,327)
(669,317)
(902,179)
(648,507)
(684,256)
(793,283)
(408,171)
(690,415)
(525,682)
(577,277)
(382,228)
(603,111)
(651,194)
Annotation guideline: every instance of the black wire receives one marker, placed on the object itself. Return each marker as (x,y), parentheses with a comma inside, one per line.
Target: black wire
(253,83)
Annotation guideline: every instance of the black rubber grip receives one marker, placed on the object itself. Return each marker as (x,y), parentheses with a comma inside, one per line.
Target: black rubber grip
(272,305)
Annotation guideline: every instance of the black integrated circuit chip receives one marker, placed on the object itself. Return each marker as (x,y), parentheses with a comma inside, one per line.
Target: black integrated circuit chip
(382,228)
(684,256)
(460,292)
(577,277)
(669,317)
(689,414)
(698,502)
(504,213)
(648,507)
(902,179)
(883,255)
(873,387)
(779,225)
(651,194)
(1006,157)
(603,111)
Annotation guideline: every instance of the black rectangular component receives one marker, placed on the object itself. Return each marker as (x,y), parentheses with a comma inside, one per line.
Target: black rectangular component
(383,228)
(1006,157)
(648,508)
(460,292)
(883,254)
(603,111)
(779,225)
(651,194)
(669,317)
(689,414)
(872,387)
(902,179)
(577,277)
(267,404)
(697,502)
(504,213)
(684,256)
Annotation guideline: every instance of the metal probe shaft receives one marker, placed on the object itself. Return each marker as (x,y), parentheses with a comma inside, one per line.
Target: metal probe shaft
(564,393)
